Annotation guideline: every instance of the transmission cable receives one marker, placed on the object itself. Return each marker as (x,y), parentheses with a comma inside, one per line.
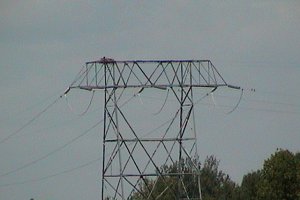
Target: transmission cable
(52,175)
(51,152)
(40,113)
(26,165)
(30,107)
(205,95)
(78,75)
(72,141)
(162,107)
(87,108)
(238,103)
(214,103)
(74,168)
(30,121)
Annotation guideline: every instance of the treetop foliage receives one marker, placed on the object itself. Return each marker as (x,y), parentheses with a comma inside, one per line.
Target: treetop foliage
(279,179)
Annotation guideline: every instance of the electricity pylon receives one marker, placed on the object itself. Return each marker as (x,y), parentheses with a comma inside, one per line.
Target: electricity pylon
(130,160)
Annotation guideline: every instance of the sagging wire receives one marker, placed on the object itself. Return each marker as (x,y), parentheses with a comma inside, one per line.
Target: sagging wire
(78,75)
(74,139)
(238,103)
(214,102)
(26,165)
(213,98)
(30,121)
(241,96)
(52,175)
(87,108)
(31,107)
(162,107)
(138,94)
(64,146)
(204,96)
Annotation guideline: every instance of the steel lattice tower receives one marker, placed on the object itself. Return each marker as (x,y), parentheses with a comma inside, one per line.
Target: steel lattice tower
(130,160)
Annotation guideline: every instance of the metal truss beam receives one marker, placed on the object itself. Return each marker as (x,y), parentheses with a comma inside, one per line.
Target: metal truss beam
(149,73)
(128,160)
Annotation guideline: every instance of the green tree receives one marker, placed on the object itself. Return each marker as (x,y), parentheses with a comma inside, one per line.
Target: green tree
(278,180)
(165,187)
(280,177)
(215,184)
(297,157)
(250,185)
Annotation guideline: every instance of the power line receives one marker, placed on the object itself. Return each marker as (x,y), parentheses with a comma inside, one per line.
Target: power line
(26,165)
(30,107)
(62,123)
(257,109)
(87,108)
(163,105)
(242,107)
(73,140)
(52,175)
(79,166)
(78,76)
(263,101)
(30,121)
(94,160)
(86,164)
(238,103)
(51,152)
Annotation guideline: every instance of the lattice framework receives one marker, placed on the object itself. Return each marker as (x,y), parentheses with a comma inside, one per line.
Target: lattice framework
(129,159)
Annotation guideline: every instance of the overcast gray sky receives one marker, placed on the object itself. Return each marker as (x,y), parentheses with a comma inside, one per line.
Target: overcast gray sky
(43,44)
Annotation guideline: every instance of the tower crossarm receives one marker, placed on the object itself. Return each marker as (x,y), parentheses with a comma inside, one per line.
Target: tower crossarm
(108,74)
